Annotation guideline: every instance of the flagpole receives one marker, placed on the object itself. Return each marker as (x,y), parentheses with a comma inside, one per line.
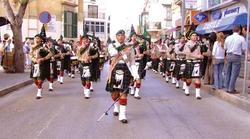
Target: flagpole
(183,9)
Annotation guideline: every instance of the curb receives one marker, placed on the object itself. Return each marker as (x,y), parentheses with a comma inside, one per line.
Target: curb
(238,101)
(15,87)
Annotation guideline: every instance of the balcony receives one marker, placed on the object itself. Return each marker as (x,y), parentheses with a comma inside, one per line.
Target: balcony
(92,15)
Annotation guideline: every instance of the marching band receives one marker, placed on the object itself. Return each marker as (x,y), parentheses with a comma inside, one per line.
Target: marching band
(176,60)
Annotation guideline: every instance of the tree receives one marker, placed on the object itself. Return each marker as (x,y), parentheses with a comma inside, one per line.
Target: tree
(16,21)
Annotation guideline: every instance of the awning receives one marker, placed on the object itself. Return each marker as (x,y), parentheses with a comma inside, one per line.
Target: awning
(224,24)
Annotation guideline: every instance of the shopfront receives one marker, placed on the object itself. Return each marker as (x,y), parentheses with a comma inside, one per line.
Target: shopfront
(223,20)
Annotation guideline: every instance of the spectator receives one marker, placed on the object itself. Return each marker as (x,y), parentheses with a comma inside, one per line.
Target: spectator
(208,79)
(26,50)
(235,45)
(8,54)
(218,60)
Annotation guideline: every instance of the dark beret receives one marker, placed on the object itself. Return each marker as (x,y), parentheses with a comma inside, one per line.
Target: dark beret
(122,32)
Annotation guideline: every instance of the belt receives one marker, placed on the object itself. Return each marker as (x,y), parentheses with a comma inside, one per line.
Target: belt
(190,60)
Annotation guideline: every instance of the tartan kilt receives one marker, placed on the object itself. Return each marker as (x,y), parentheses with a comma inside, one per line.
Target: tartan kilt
(126,79)
(177,69)
(168,65)
(44,70)
(141,68)
(67,62)
(81,65)
(54,68)
(164,66)
(189,70)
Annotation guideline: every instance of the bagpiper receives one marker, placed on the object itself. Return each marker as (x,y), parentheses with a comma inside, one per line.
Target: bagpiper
(139,54)
(85,59)
(180,62)
(193,64)
(122,71)
(40,70)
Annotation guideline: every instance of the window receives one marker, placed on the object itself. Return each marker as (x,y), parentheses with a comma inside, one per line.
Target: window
(98,27)
(70,24)
(92,11)
(212,3)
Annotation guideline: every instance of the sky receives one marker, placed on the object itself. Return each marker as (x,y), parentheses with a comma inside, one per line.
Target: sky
(124,13)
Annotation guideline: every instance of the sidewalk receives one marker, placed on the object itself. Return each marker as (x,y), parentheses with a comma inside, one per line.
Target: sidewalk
(12,81)
(241,101)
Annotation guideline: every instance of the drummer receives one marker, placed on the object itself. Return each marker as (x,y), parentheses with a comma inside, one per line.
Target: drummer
(193,69)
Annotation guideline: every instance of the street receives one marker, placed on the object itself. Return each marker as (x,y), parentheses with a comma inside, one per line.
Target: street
(163,113)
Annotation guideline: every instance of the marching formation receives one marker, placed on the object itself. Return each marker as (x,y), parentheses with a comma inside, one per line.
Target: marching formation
(52,59)
(176,60)
(180,59)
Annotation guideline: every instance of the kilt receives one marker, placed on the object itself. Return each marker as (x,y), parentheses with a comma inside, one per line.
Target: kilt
(126,79)
(163,66)
(44,70)
(140,68)
(53,70)
(178,72)
(193,69)
(81,68)
(170,65)
(66,64)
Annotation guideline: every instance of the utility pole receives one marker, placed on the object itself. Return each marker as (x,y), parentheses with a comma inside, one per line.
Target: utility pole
(244,92)
(183,10)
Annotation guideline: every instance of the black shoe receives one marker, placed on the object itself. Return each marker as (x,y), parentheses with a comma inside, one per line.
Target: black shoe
(38,97)
(61,82)
(138,97)
(124,121)
(132,94)
(199,98)
(50,90)
(115,113)
(91,90)
(177,87)
(187,94)
(86,97)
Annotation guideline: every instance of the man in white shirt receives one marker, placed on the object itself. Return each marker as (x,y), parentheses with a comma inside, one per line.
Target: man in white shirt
(235,45)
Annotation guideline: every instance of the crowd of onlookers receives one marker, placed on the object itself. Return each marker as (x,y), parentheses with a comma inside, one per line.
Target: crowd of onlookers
(223,58)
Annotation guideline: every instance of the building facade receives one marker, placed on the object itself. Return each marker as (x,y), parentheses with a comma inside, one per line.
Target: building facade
(96,19)
(157,17)
(66,18)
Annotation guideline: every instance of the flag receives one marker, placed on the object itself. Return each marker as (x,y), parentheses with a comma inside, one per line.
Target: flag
(146,34)
(132,31)
(43,32)
(109,41)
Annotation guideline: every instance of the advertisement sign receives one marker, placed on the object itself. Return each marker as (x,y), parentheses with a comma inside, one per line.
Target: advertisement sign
(198,17)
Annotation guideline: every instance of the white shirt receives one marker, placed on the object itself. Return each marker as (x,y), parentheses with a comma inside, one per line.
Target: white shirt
(218,51)
(235,44)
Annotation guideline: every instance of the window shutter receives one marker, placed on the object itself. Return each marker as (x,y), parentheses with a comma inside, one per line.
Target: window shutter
(74,25)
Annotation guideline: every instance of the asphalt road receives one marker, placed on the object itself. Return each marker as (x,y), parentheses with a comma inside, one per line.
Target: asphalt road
(163,113)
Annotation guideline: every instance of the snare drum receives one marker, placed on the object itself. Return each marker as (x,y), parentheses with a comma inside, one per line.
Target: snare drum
(74,60)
